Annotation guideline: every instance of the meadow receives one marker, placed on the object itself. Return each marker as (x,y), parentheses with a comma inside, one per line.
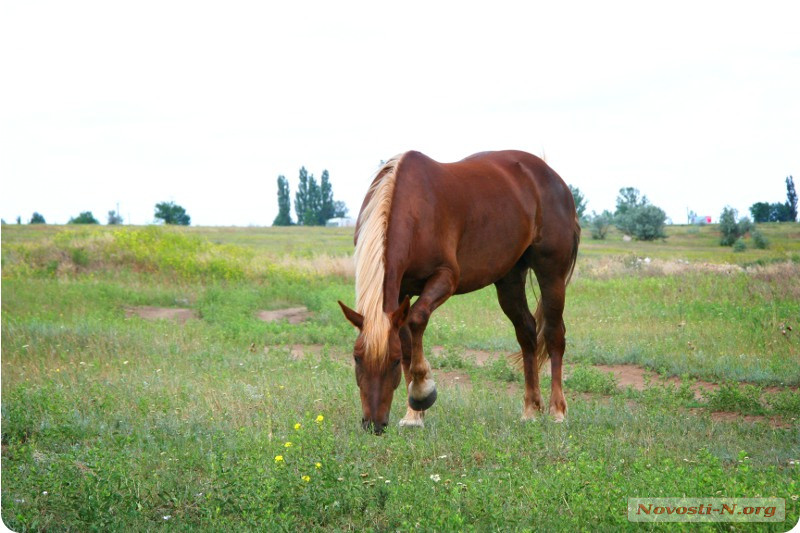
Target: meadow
(113,422)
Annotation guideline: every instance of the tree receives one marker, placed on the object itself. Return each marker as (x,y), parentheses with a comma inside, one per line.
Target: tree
(647,222)
(301,196)
(172,213)
(85,217)
(284,217)
(732,229)
(313,203)
(35,219)
(636,216)
(580,201)
(628,198)
(599,224)
(326,209)
(791,199)
(339,209)
(761,211)
(114,219)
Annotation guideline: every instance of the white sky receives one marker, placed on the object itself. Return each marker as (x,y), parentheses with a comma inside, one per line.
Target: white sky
(695,104)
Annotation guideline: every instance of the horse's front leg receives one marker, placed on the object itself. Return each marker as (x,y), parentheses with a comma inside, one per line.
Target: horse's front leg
(438,288)
(412,418)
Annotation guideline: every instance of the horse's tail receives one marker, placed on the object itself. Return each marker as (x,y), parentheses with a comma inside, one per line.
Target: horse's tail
(541,347)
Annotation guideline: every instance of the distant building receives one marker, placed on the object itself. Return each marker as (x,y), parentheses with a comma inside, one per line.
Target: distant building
(700,220)
(341,222)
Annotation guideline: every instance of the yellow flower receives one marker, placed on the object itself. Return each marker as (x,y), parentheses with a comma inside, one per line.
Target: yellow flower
(306,478)
(297,426)
(287,445)
(319,419)
(318,465)
(278,458)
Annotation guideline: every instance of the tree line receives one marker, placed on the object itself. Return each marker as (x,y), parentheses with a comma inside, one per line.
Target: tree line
(313,202)
(637,217)
(166,212)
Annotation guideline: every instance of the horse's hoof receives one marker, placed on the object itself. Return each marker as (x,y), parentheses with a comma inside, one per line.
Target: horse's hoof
(412,423)
(530,412)
(424,403)
(559,417)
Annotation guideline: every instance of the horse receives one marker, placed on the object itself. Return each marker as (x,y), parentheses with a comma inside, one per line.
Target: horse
(433,230)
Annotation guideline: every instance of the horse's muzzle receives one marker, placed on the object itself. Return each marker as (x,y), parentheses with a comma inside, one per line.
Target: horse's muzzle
(375,427)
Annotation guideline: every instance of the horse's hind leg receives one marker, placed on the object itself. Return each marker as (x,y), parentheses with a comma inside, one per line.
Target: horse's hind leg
(511,295)
(552,285)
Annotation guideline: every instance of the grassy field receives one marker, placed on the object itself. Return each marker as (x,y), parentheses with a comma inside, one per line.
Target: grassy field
(112,422)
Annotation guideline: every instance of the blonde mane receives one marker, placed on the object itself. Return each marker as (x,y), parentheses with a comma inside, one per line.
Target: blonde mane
(370,259)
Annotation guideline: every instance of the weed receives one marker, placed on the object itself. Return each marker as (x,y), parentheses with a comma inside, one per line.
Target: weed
(733,397)
(587,379)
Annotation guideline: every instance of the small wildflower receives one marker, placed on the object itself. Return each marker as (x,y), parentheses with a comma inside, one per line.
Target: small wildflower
(436,478)
(278,459)
(124,362)
(306,478)
(44,492)
(318,465)
(319,419)
(388,481)
(167,516)
(297,426)
(287,445)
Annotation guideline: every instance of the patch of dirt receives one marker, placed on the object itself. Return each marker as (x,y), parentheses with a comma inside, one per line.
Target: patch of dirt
(452,378)
(295,315)
(479,357)
(299,351)
(178,314)
(635,376)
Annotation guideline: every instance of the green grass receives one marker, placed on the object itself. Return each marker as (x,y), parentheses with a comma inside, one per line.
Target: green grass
(114,423)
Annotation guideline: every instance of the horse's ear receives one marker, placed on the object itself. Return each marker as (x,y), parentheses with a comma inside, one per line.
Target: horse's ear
(354,318)
(400,316)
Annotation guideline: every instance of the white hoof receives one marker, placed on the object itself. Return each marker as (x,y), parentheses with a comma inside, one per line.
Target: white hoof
(412,423)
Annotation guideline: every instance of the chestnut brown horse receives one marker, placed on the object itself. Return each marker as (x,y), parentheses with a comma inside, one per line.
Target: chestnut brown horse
(433,230)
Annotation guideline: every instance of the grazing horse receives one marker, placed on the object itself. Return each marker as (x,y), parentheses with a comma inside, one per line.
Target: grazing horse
(433,230)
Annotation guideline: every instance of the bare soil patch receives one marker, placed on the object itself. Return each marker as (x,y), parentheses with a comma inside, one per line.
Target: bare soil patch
(295,315)
(479,357)
(177,314)
(637,377)
(453,378)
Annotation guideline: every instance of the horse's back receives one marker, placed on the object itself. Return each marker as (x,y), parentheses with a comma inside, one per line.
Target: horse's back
(478,215)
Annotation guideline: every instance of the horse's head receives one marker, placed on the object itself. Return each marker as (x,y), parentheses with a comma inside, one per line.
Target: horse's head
(378,371)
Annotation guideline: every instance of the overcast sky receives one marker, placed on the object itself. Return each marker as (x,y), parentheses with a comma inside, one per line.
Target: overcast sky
(132,103)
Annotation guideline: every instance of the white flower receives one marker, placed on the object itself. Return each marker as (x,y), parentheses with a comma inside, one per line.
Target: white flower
(436,478)
(167,516)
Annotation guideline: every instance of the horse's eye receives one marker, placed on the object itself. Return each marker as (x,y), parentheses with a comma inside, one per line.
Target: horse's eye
(396,363)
